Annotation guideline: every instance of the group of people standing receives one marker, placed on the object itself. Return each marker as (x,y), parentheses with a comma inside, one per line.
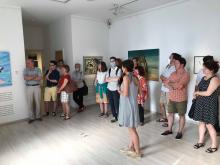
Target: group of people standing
(125,87)
(57,78)
(205,103)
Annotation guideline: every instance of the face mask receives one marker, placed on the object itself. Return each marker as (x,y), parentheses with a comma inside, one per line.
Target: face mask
(112,64)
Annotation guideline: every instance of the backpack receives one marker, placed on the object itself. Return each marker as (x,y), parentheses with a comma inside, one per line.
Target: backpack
(109,71)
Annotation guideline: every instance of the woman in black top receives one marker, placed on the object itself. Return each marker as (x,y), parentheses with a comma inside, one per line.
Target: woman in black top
(206,108)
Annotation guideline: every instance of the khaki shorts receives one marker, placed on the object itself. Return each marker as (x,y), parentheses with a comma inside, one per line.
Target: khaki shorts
(50,93)
(177,107)
(164,98)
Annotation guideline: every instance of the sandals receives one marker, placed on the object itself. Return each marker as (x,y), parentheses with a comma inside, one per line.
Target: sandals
(162,120)
(165,125)
(198,145)
(66,118)
(211,150)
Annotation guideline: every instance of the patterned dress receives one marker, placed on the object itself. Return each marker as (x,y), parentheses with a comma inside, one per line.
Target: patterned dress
(206,108)
(128,108)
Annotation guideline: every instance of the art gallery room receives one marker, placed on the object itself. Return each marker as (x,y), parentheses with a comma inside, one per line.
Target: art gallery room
(109,82)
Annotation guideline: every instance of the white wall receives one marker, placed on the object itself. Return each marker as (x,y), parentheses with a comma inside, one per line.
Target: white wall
(34,37)
(89,38)
(11,39)
(190,28)
(60,33)
(78,37)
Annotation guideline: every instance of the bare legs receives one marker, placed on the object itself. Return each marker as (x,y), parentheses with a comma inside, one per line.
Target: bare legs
(163,111)
(170,121)
(47,104)
(181,122)
(103,108)
(213,135)
(134,143)
(202,130)
(66,110)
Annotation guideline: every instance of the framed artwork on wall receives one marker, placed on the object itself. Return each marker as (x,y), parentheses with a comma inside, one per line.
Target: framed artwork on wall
(198,63)
(149,59)
(90,64)
(5,69)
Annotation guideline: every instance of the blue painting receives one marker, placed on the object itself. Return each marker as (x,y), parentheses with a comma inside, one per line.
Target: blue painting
(5,69)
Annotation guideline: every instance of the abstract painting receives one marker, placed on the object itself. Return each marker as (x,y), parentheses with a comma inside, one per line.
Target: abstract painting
(90,64)
(149,59)
(5,69)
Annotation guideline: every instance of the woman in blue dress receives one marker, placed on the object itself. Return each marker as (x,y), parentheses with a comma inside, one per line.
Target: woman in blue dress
(128,109)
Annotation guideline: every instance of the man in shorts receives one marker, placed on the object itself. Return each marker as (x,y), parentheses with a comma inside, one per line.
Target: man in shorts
(50,94)
(177,84)
(170,68)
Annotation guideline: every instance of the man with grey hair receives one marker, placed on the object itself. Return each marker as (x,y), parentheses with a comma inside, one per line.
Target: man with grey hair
(32,76)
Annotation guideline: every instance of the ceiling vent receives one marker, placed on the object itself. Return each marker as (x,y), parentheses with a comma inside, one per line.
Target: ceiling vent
(61,1)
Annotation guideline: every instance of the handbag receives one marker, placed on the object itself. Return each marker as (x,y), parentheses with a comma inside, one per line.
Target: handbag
(192,109)
(84,89)
(70,87)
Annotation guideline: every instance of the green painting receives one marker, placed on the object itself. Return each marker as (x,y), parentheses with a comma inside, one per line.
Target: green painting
(149,59)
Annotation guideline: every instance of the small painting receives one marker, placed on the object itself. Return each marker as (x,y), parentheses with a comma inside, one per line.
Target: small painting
(5,69)
(90,64)
(149,59)
(198,63)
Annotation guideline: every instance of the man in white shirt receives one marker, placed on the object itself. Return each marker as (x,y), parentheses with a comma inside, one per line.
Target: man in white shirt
(170,68)
(113,77)
(199,77)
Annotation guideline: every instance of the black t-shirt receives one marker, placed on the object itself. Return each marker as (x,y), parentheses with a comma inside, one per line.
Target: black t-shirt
(54,75)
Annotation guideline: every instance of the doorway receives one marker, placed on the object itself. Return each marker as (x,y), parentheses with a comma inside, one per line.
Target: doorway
(58,55)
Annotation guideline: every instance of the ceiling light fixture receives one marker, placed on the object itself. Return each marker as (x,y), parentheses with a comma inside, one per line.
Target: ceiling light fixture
(61,1)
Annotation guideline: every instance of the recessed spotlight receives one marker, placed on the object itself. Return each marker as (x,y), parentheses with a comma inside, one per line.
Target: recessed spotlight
(61,1)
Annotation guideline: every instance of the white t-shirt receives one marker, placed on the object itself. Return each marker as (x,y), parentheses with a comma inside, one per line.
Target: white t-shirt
(166,73)
(113,86)
(100,77)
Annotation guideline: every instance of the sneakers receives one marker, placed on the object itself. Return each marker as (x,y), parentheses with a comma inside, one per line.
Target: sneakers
(167,133)
(114,120)
(179,135)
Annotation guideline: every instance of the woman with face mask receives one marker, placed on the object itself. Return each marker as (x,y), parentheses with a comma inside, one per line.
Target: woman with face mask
(77,77)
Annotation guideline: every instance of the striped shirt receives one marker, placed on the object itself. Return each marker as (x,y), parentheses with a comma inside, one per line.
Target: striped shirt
(32,72)
(180,84)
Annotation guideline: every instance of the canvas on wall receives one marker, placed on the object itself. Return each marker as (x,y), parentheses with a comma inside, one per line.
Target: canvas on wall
(149,59)
(5,69)
(90,64)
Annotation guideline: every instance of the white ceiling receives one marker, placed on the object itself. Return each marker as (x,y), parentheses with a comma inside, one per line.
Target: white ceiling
(46,11)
